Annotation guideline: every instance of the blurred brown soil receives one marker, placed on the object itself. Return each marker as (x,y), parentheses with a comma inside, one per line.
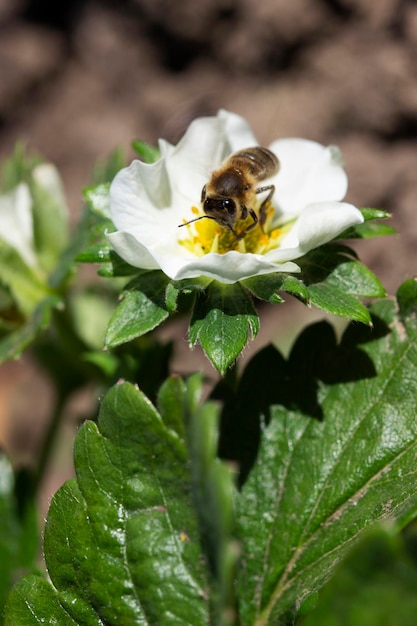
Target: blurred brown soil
(80,78)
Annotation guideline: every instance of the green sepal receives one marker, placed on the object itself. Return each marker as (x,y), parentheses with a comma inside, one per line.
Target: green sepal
(143,308)
(369,228)
(50,225)
(98,199)
(374,214)
(95,253)
(189,285)
(105,171)
(111,264)
(337,302)
(116,267)
(105,362)
(265,287)
(171,297)
(147,152)
(355,279)
(14,343)
(49,210)
(222,321)
(18,168)
(27,285)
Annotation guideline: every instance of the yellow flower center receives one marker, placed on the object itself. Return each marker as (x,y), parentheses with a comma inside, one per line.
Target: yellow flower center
(206,235)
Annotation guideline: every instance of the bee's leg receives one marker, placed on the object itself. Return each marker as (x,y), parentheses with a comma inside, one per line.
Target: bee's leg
(253,215)
(255,219)
(262,208)
(232,230)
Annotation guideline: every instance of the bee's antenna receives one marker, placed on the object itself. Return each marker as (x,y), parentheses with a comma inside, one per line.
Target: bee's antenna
(209,217)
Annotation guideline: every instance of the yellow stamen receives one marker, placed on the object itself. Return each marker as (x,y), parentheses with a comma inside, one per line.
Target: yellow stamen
(206,235)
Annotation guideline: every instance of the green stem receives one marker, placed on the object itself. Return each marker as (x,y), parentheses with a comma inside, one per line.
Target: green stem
(49,442)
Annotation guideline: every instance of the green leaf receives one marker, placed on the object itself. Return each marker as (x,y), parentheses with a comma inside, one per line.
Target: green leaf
(147,152)
(121,540)
(142,309)
(223,320)
(318,484)
(33,601)
(407,300)
(375,585)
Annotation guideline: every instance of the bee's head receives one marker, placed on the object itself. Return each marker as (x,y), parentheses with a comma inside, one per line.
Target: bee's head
(223,210)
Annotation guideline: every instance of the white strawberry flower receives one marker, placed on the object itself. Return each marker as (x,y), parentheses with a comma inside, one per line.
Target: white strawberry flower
(16,212)
(16,223)
(148,203)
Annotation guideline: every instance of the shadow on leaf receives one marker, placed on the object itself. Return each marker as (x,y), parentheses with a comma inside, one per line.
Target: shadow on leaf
(316,358)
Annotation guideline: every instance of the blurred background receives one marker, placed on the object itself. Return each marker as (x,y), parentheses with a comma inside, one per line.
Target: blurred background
(79,78)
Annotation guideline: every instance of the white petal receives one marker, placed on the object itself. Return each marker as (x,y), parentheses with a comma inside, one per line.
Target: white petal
(132,251)
(227,268)
(205,145)
(230,267)
(238,132)
(139,194)
(16,224)
(318,224)
(309,173)
(165,148)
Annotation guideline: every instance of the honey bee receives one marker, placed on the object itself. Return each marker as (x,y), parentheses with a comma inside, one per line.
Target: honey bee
(230,194)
